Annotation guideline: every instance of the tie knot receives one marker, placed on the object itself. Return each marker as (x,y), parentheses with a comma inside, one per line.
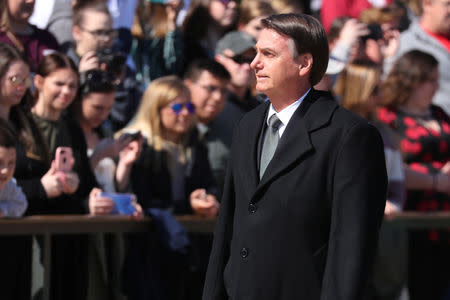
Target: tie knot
(274,122)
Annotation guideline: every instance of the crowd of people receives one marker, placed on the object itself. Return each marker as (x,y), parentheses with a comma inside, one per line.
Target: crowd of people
(141,97)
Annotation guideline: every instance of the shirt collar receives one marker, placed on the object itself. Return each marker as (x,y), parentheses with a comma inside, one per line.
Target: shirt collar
(286,114)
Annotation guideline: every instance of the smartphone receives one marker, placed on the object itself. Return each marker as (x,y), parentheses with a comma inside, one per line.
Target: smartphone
(123,202)
(134,136)
(64,159)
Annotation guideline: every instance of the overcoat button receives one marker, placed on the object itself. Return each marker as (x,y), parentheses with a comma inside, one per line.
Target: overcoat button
(252,208)
(244,252)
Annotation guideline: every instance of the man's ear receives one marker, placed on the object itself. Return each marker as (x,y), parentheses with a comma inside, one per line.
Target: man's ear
(76,32)
(187,82)
(305,63)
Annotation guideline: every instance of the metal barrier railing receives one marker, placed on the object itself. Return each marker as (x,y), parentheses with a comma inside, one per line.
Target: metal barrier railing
(48,225)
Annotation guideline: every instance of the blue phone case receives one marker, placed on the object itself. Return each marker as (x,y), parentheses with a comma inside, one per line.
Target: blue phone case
(122,203)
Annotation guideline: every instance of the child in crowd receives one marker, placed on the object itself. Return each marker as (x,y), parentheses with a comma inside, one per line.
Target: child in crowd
(13,202)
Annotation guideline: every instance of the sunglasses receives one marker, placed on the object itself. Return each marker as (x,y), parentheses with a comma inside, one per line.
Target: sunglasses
(178,107)
(239,59)
(17,81)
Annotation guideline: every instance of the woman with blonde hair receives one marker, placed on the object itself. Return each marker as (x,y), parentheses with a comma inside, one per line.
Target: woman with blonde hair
(173,165)
(171,174)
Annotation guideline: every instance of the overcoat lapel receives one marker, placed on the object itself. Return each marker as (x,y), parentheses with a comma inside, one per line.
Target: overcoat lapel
(251,141)
(295,143)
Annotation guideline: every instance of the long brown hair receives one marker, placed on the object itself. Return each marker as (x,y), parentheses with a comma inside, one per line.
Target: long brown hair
(52,62)
(412,68)
(20,116)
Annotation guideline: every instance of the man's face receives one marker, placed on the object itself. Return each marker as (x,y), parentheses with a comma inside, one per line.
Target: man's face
(208,95)
(275,67)
(94,33)
(238,66)
(437,15)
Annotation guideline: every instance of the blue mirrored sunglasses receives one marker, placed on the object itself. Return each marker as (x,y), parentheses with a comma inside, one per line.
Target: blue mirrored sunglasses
(177,107)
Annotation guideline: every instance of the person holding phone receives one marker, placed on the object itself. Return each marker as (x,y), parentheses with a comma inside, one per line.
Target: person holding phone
(172,173)
(56,83)
(34,171)
(91,109)
(109,159)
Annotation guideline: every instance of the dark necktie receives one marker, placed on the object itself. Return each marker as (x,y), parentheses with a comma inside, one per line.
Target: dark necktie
(270,144)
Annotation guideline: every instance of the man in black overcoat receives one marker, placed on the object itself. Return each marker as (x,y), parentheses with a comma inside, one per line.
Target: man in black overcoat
(303,224)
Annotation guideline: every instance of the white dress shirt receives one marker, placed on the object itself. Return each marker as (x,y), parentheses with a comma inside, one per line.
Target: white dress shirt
(286,114)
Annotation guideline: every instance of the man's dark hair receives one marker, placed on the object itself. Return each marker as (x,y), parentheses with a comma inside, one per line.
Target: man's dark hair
(308,36)
(81,7)
(197,67)
(7,139)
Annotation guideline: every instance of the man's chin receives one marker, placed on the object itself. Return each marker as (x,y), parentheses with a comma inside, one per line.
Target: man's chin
(262,88)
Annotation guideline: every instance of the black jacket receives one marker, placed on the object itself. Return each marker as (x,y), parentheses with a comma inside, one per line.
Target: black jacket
(152,183)
(308,228)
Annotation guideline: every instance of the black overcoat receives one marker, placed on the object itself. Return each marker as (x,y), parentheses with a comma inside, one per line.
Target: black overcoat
(308,229)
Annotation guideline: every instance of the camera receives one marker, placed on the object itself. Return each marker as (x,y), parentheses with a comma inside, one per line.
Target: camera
(114,61)
(375,32)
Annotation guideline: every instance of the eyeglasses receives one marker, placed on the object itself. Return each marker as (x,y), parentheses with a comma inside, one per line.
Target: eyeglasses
(178,107)
(102,33)
(17,81)
(240,59)
(212,88)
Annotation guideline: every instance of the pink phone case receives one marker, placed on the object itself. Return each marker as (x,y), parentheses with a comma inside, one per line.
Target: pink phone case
(64,159)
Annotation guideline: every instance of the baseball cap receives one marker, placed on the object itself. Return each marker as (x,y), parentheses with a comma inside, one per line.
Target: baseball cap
(236,41)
